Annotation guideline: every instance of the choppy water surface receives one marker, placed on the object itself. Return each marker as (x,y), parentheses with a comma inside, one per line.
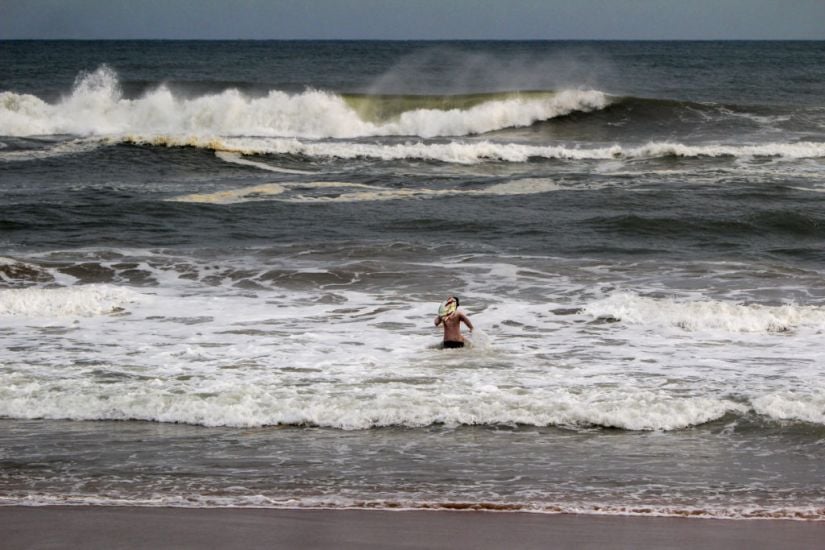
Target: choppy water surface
(221,261)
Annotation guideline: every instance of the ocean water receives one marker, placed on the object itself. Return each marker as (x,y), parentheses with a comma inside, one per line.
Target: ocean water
(220,263)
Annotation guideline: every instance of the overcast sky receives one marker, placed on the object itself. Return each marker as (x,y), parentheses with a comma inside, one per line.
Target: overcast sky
(414,19)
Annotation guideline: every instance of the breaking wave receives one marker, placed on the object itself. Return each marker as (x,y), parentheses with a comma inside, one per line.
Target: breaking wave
(96,112)
(251,405)
(705,314)
(471,152)
(96,107)
(235,404)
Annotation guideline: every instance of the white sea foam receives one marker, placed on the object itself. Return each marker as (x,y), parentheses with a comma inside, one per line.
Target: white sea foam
(798,150)
(237,158)
(706,314)
(472,152)
(285,123)
(96,107)
(339,351)
(82,301)
(196,499)
(495,115)
(344,192)
(231,196)
(224,360)
(807,406)
(233,403)
(60,149)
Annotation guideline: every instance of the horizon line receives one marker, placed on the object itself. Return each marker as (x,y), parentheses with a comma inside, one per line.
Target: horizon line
(101,39)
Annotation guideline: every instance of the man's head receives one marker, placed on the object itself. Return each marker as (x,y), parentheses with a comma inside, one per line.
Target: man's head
(453,299)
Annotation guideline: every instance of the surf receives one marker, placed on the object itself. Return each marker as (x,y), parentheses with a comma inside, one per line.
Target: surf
(97,106)
(707,315)
(476,151)
(65,302)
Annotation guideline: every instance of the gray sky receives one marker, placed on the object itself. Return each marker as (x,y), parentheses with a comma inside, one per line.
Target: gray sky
(414,19)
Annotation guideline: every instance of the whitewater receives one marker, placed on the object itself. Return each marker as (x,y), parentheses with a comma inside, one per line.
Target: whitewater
(315,374)
(96,106)
(96,114)
(220,266)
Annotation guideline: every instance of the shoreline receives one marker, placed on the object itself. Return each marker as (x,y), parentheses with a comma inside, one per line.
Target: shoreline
(150,527)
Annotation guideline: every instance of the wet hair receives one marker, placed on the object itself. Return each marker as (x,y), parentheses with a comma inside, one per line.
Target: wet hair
(456,301)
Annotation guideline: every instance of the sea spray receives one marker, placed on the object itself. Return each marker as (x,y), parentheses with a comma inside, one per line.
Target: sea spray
(96,107)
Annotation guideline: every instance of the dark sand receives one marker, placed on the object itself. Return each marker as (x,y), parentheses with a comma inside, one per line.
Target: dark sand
(114,527)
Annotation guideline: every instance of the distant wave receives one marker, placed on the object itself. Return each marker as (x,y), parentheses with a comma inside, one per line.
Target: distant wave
(381,108)
(96,107)
(662,115)
(302,123)
(470,152)
(454,151)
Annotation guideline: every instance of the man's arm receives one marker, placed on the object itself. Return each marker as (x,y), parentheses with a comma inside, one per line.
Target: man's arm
(438,320)
(467,322)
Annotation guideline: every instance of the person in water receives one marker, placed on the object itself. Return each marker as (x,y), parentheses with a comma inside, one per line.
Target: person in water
(451,318)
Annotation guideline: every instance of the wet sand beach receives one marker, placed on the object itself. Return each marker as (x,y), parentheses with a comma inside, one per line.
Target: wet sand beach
(128,527)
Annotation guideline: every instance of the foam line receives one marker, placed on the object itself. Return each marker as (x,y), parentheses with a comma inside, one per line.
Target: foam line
(237,158)
(273,191)
(473,152)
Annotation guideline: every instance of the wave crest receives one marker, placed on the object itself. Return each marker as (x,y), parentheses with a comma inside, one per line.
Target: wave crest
(705,314)
(793,406)
(232,404)
(96,106)
(472,152)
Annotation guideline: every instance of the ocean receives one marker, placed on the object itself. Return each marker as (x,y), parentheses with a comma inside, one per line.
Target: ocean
(220,263)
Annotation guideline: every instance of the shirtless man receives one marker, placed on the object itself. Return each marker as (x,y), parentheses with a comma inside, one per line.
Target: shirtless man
(452,324)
